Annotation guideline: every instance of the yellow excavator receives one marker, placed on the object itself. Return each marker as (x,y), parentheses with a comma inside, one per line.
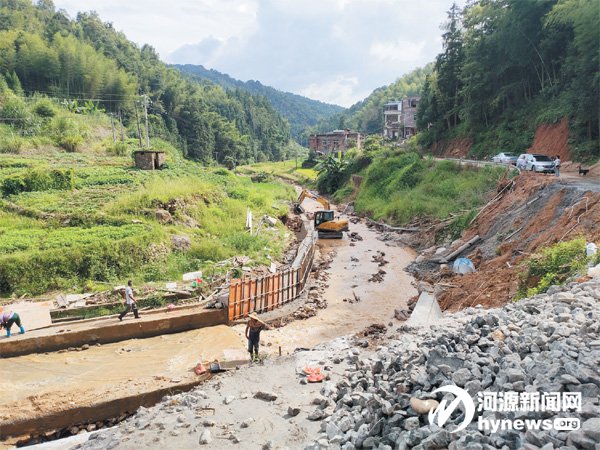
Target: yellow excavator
(325,223)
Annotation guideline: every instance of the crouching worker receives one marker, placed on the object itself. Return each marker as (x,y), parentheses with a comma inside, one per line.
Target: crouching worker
(8,318)
(253,329)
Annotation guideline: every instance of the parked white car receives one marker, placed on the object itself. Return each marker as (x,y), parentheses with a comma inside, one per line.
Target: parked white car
(505,158)
(535,163)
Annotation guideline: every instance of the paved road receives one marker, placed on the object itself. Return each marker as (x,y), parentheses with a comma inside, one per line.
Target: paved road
(584,184)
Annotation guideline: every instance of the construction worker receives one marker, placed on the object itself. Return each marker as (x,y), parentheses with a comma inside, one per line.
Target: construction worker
(8,318)
(130,302)
(253,329)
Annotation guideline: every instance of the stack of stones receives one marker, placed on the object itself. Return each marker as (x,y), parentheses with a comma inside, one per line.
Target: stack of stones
(545,344)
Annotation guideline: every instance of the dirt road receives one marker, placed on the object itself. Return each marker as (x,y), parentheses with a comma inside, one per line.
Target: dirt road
(38,384)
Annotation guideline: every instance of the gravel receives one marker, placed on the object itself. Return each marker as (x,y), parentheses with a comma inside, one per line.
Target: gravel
(547,343)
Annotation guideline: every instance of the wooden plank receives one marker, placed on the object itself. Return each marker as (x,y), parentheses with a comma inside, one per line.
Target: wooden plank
(231,301)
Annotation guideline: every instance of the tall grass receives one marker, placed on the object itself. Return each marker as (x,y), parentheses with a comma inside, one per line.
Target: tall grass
(401,188)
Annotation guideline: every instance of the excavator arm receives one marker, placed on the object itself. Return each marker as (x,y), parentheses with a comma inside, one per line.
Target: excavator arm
(306,193)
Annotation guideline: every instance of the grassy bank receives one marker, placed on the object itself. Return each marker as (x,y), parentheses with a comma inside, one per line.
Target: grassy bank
(110,221)
(288,170)
(399,186)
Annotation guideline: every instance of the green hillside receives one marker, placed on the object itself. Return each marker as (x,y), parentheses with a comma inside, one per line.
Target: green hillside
(511,65)
(301,112)
(76,214)
(43,51)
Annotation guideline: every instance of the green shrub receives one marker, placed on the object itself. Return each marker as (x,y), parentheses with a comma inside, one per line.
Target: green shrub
(552,266)
(118,149)
(244,243)
(12,144)
(223,172)
(239,193)
(38,180)
(41,271)
(67,133)
(208,250)
(460,224)
(70,142)
(44,108)
(14,110)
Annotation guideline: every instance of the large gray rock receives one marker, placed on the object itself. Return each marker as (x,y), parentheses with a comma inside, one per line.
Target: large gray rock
(205,438)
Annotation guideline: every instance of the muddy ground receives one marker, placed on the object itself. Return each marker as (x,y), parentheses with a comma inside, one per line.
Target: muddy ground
(348,277)
(62,381)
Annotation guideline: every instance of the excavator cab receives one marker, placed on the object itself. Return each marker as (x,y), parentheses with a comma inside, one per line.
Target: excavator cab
(323,216)
(328,227)
(325,223)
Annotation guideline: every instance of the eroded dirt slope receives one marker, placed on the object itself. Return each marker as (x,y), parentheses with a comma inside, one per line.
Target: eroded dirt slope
(537,212)
(552,139)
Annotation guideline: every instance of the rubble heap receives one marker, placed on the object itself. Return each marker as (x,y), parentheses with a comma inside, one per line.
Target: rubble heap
(548,343)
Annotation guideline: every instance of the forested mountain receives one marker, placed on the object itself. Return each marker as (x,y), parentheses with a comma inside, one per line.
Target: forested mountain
(366,116)
(510,65)
(301,112)
(43,51)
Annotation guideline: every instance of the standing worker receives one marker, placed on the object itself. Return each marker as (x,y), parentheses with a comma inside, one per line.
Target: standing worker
(8,318)
(130,302)
(253,329)
(557,166)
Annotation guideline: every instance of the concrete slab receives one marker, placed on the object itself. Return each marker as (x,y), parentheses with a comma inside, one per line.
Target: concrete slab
(426,312)
(33,315)
(109,329)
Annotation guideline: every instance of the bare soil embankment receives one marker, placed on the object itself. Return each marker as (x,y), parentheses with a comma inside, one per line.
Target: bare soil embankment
(536,212)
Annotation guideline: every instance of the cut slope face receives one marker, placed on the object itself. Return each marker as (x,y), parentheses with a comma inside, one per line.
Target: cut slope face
(552,140)
(539,211)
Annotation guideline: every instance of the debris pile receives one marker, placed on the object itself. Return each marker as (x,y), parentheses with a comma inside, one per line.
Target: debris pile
(355,298)
(377,277)
(354,236)
(293,223)
(547,344)
(379,258)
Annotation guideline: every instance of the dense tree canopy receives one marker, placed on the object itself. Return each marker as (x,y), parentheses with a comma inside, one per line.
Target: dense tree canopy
(508,65)
(42,50)
(301,112)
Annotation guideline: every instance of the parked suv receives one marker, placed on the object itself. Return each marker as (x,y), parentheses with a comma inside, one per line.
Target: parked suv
(535,163)
(505,158)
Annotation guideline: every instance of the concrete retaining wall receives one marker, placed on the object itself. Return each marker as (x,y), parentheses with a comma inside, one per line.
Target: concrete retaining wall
(51,340)
(100,411)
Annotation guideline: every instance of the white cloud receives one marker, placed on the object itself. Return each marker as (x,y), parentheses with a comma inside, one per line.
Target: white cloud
(169,25)
(341,90)
(314,47)
(397,51)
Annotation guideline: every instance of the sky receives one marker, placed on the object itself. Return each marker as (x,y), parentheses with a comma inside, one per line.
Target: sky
(336,51)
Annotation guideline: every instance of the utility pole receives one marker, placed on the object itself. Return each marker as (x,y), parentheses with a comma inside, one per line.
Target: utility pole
(112,125)
(146,116)
(137,118)
(121,123)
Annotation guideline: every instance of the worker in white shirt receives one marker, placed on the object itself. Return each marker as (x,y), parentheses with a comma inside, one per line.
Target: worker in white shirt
(130,302)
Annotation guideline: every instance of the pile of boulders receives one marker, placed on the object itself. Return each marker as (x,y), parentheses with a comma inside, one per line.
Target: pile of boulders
(547,344)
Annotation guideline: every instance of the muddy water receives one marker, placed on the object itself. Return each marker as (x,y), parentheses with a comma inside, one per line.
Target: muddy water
(39,383)
(377,300)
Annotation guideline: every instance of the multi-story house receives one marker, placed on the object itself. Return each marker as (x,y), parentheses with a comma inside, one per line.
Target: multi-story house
(400,118)
(335,141)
